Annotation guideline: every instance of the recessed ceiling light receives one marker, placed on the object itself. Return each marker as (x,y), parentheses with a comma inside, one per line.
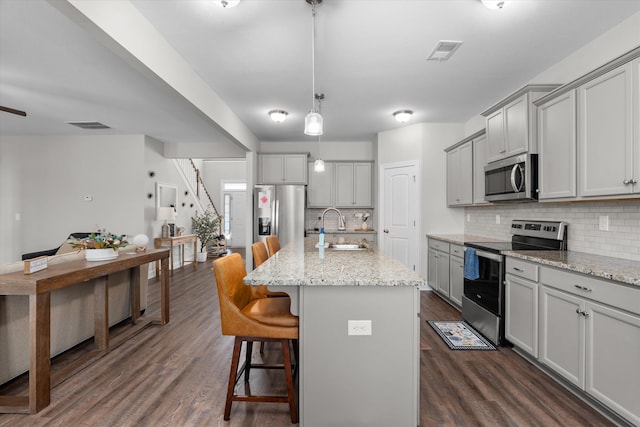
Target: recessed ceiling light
(494,4)
(227,3)
(443,50)
(403,116)
(278,116)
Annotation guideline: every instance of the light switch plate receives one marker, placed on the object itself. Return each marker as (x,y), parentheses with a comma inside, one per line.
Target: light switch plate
(358,327)
(604,223)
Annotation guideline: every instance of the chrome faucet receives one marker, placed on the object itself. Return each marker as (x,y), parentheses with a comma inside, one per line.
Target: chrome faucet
(341,225)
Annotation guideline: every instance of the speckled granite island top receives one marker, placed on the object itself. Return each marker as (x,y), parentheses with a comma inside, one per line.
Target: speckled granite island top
(461,239)
(617,269)
(298,265)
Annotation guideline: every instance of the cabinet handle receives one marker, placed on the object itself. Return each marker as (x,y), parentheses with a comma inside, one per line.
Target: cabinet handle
(518,269)
(578,311)
(582,288)
(585,314)
(582,312)
(627,181)
(634,181)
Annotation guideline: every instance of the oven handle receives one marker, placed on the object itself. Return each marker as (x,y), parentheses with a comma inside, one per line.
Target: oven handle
(488,255)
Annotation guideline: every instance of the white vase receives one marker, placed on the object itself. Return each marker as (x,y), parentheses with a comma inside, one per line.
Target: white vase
(201,256)
(100,254)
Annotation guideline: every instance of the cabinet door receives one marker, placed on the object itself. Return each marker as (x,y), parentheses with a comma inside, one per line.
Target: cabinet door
(479,162)
(432,276)
(295,168)
(362,180)
(557,145)
(344,185)
(496,148)
(605,134)
(271,168)
(320,188)
(562,334)
(466,174)
(456,279)
(516,126)
(521,314)
(443,273)
(453,177)
(612,355)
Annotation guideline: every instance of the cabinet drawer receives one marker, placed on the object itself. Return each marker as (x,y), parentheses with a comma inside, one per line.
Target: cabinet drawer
(439,245)
(521,268)
(456,250)
(604,291)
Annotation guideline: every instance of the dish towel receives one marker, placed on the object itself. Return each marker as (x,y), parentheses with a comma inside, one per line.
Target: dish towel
(471,267)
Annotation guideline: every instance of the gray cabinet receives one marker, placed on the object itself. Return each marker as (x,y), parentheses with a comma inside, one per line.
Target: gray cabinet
(557,148)
(320,191)
(460,175)
(439,266)
(511,124)
(282,168)
(521,305)
(608,149)
(456,274)
(353,185)
(479,162)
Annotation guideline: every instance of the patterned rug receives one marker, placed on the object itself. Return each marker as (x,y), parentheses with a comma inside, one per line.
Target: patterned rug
(458,335)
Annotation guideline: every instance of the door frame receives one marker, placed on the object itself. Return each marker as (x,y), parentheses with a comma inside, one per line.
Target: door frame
(418,206)
(223,192)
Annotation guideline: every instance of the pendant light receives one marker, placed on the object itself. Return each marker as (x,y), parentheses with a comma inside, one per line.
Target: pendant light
(313,121)
(318,165)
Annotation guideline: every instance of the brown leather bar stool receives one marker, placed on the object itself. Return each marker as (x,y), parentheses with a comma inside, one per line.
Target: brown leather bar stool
(250,316)
(273,244)
(259,251)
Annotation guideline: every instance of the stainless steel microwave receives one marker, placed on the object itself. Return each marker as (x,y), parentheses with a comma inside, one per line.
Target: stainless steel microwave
(512,179)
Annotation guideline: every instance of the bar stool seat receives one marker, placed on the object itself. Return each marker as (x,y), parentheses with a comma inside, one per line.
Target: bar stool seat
(251,316)
(259,251)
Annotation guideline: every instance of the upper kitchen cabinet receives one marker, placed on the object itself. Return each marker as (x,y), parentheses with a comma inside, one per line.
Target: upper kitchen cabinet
(282,168)
(465,171)
(353,184)
(557,146)
(511,124)
(608,150)
(320,192)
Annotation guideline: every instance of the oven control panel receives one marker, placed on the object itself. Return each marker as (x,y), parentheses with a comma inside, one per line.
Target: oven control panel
(542,229)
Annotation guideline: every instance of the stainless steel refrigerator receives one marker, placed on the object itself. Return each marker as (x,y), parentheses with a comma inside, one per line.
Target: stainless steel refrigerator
(279,210)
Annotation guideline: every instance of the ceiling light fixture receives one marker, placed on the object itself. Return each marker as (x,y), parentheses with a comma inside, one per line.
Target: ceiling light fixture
(278,116)
(494,4)
(318,165)
(313,121)
(403,116)
(227,3)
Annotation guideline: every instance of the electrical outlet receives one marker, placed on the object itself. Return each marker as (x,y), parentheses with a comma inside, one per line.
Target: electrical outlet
(497,219)
(358,327)
(603,223)
(468,217)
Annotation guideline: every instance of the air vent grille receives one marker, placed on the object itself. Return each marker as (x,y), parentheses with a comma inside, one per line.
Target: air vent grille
(443,50)
(89,125)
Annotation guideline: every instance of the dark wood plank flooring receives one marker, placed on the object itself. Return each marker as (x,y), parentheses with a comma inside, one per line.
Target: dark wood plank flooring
(176,376)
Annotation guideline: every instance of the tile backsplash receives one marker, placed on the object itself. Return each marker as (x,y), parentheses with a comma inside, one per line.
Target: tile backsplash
(621,241)
(331,219)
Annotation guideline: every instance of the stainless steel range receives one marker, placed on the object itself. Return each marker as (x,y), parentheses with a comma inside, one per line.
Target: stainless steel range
(483,299)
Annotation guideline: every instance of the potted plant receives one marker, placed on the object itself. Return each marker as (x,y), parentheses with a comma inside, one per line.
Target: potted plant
(100,246)
(205,226)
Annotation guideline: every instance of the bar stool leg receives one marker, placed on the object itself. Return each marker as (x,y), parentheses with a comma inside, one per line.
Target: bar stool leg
(289,377)
(235,360)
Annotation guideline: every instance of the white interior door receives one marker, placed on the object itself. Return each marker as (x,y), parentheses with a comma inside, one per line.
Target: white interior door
(399,223)
(235,213)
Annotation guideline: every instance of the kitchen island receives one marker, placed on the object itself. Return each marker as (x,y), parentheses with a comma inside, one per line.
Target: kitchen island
(363,373)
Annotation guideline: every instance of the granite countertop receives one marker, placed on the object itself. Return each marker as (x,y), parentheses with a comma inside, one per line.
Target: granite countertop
(304,265)
(461,239)
(349,231)
(620,270)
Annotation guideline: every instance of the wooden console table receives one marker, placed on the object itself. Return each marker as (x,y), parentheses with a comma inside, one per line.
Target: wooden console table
(38,287)
(181,241)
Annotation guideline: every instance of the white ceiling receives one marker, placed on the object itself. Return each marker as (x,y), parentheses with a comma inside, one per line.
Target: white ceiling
(371,60)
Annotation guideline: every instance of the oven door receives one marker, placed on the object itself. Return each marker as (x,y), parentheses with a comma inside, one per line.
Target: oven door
(487,289)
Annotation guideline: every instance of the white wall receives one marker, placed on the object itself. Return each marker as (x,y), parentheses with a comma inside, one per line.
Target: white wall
(215,171)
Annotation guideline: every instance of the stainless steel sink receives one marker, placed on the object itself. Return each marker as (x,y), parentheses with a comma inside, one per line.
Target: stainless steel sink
(347,247)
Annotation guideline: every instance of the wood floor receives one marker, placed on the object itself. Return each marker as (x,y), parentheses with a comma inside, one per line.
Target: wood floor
(176,376)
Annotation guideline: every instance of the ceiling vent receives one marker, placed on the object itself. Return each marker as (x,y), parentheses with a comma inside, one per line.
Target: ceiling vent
(89,125)
(443,50)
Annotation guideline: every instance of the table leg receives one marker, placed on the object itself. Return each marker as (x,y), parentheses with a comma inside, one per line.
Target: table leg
(134,289)
(195,252)
(171,253)
(101,313)
(40,350)
(182,255)
(157,245)
(164,293)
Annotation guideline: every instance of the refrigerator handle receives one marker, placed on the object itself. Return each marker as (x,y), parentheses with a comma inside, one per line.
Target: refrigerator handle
(276,218)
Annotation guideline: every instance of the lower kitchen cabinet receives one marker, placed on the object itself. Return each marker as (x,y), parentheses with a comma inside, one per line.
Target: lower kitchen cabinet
(439,266)
(521,313)
(456,279)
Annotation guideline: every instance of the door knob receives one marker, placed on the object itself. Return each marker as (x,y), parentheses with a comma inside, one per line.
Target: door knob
(386,231)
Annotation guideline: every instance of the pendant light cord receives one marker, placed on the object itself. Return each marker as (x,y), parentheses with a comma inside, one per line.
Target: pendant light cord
(313,55)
